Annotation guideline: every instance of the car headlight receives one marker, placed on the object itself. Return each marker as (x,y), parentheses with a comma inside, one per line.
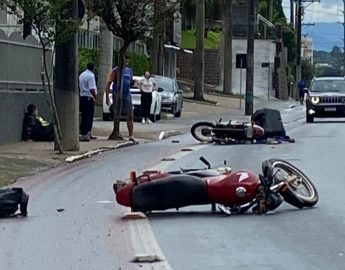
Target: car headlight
(315,100)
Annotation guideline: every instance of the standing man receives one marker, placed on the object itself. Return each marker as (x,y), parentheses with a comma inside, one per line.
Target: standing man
(88,94)
(301,92)
(127,107)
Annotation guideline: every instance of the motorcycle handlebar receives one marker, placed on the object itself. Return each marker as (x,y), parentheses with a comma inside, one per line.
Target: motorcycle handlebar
(206,162)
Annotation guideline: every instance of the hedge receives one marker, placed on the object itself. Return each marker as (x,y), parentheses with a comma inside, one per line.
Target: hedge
(138,62)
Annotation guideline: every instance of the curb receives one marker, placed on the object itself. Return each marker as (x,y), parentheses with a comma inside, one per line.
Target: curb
(97,151)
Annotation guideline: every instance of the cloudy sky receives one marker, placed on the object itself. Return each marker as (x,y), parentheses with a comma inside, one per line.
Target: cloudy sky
(325,11)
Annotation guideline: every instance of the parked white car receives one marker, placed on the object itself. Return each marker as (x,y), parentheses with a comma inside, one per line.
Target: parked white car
(156,106)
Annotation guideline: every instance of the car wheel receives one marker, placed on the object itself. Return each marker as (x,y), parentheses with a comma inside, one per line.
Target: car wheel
(178,114)
(159,116)
(153,117)
(310,119)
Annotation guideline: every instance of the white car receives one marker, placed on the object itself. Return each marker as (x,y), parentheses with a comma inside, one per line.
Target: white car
(156,106)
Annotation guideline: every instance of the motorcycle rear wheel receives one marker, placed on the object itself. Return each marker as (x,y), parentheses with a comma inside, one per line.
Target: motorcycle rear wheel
(200,137)
(292,194)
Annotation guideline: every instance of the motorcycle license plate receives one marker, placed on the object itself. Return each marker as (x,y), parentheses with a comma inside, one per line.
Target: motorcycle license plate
(330,109)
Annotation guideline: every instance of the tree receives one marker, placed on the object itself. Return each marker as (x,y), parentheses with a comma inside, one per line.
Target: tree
(199,64)
(308,70)
(227,9)
(105,58)
(131,21)
(53,23)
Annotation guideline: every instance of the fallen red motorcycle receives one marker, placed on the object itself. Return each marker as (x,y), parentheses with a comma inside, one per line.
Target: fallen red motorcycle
(233,192)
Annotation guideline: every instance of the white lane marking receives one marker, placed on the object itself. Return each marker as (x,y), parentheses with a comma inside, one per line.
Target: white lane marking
(143,239)
(105,202)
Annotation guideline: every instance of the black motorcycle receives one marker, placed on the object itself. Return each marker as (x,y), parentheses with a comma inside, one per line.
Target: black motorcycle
(227,133)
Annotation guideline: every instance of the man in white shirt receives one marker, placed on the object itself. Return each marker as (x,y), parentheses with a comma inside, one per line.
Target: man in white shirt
(88,94)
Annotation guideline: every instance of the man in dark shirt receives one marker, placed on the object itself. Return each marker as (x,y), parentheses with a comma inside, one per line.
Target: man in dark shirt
(127,107)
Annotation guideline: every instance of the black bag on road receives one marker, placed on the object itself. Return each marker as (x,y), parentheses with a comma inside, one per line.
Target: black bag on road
(12,199)
(271,121)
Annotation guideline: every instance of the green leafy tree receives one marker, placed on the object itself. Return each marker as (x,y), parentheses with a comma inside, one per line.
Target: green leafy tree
(52,22)
(131,21)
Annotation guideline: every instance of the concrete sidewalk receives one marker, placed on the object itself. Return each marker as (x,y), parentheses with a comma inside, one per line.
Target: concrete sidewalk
(26,158)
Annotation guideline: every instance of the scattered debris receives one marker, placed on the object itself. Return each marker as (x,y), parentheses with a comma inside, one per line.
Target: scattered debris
(60,209)
(175,141)
(186,149)
(134,215)
(168,159)
(147,258)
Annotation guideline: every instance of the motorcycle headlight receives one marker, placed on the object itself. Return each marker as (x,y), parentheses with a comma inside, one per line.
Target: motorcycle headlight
(315,100)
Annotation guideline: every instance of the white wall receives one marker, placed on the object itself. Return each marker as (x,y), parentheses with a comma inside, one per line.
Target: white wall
(264,52)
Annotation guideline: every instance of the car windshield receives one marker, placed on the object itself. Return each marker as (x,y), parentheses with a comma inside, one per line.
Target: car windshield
(328,86)
(165,84)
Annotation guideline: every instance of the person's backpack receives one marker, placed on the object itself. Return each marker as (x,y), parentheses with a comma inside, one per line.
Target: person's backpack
(12,199)
(271,121)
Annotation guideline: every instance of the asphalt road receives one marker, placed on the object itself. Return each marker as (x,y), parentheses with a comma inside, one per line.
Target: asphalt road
(287,238)
(73,223)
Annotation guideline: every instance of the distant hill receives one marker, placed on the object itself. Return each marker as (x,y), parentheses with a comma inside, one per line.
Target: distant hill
(325,35)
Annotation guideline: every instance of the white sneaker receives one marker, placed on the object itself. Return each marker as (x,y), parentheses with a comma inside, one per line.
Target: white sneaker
(148,121)
(143,121)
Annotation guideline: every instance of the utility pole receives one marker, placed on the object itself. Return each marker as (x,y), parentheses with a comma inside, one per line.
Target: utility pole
(269,10)
(292,12)
(299,43)
(249,98)
(300,13)
(344,38)
(66,88)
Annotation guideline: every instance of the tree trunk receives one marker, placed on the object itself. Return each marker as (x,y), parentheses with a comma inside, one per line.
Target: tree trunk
(66,92)
(157,54)
(105,59)
(117,100)
(227,85)
(51,102)
(199,51)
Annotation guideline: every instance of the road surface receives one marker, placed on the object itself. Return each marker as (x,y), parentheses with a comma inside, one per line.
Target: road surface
(73,223)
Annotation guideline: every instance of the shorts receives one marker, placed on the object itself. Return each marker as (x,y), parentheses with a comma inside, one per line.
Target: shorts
(127,106)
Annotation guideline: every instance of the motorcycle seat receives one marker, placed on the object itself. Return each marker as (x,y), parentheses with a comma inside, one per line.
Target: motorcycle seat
(170,192)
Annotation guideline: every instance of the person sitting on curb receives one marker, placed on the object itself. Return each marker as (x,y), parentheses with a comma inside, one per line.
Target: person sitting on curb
(35,128)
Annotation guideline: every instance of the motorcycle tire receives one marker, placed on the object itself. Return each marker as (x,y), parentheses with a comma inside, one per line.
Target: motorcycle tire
(200,138)
(290,194)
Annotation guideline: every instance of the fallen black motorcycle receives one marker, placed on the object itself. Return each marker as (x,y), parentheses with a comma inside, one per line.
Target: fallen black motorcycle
(231,132)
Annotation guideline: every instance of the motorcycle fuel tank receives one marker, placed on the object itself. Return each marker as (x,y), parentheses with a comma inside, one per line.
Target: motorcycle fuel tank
(235,189)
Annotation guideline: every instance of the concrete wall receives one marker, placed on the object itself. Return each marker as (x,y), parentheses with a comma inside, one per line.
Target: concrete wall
(12,109)
(185,63)
(264,53)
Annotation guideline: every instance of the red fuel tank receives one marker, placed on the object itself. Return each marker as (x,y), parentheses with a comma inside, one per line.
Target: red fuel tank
(234,189)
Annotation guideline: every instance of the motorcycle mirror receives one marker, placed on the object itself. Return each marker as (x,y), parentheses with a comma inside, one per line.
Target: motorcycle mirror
(206,162)
(224,162)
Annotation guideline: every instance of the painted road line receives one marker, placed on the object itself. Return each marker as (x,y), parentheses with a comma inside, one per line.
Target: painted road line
(147,251)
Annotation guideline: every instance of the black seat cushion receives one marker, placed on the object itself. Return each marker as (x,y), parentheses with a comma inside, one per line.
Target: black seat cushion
(170,192)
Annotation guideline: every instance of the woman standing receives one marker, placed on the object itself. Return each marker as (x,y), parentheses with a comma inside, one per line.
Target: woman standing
(147,86)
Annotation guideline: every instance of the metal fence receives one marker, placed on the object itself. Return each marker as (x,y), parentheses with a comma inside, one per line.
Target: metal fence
(21,62)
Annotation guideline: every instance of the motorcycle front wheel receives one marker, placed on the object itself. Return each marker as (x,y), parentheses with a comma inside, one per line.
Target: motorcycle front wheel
(203,131)
(300,191)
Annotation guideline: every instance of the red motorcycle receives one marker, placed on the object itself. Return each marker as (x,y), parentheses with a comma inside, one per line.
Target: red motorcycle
(233,192)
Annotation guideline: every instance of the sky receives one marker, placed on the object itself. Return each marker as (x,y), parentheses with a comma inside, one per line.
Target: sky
(325,11)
